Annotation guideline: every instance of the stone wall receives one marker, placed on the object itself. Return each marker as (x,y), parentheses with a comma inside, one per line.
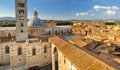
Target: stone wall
(4,33)
(65,64)
(41,58)
(15,59)
(26,59)
(4,57)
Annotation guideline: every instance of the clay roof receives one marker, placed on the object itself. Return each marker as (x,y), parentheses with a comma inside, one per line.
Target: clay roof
(79,57)
(78,42)
(57,41)
(98,38)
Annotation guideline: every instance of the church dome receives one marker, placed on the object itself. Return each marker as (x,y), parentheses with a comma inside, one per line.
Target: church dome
(35,21)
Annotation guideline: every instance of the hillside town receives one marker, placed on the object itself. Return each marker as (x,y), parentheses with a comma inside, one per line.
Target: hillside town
(37,44)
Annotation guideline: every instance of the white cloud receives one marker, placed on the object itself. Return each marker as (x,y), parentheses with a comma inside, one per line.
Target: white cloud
(82,14)
(92,14)
(96,7)
(110,12)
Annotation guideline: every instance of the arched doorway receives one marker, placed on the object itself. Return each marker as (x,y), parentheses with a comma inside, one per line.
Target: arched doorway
(55,59)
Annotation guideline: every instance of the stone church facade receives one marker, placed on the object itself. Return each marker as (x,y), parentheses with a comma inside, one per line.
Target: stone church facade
(33,46)
(26,46)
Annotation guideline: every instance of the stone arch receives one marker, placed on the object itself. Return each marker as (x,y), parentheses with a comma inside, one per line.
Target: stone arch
(54,50)
(55,59)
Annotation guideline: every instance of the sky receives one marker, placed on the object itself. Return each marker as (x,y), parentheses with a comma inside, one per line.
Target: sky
(66,9)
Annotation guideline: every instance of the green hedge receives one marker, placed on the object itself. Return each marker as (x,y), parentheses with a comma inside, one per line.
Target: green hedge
(64,23)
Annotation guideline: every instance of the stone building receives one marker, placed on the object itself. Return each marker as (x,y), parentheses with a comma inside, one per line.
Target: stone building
(33,46)
(26,46)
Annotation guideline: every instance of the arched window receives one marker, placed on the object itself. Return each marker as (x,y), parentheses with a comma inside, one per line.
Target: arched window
(49,32)
(62,31)
(19,51)
(7,50)
(68,31)
(21,5)
(21,24)
(9,35)
(56,32)
(21,18)
(21,11)
(34,51)
(45,49)
(21,31)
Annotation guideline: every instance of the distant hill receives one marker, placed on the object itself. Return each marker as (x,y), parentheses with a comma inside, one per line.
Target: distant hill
(7,18)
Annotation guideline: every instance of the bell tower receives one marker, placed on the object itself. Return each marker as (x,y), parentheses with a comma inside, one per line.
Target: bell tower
(21,20)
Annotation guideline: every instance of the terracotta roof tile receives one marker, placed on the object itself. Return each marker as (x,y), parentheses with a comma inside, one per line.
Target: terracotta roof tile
(57,41)
(81,59)
(78,42)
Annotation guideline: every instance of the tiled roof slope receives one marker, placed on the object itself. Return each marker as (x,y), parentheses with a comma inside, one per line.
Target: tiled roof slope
(81,58)
(78,42)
